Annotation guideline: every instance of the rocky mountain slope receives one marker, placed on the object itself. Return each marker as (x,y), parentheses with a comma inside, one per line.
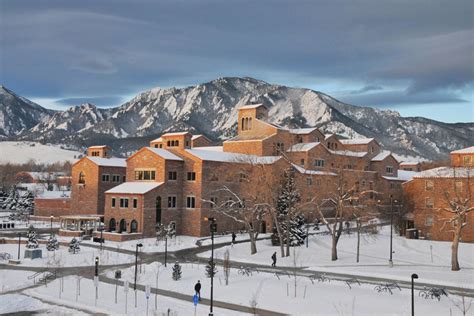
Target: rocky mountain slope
(211,109)
(18,114)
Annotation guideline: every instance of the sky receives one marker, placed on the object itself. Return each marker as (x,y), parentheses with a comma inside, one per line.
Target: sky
(415,57)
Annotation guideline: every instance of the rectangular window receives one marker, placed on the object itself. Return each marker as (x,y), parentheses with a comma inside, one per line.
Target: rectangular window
(319,163)
(116,178)
(172,175)
(190,202)
(429,185)
(302,162)
(145,174)
(124,178)
(429,221)
(191,176)
(124,203)
(171,201)
(113,202)
(213,201)
(309,181)
(429,203)
(105,178)
(243,177)
(389,169)
(135,203)
(467,161)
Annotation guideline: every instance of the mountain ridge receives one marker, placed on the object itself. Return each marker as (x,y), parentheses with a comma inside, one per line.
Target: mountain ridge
(211,108)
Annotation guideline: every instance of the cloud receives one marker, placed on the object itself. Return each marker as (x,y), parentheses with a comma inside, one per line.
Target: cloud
(105,101)
(367,88)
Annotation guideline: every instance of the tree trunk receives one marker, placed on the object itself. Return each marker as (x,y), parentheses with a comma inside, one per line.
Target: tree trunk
(358,238)
(288,234)
(253,243)
(280,236)
(455,246)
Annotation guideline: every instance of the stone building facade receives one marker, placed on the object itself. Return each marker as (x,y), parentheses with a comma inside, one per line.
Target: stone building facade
(430,192)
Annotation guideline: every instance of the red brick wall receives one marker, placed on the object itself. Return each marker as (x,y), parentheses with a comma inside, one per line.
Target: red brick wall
(55,207)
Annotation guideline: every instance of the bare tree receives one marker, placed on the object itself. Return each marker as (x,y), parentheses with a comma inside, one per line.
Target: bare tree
(226,266)
(458,205)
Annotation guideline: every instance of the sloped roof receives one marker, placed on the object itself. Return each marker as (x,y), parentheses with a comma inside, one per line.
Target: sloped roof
(303,147)
(134,187)
(54,195)
(251,106)
(382,155)
(313,172)
(356,141)
(99,146)
(165,154)
(108,162)
(403,175)
(302,131)
(175,134)
(409,163)
(349,153)
(212,148)
(210,155)
(467,150)
(446,172)
(159,139)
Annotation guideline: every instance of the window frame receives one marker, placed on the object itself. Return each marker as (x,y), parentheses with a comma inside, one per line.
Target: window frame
(191,202)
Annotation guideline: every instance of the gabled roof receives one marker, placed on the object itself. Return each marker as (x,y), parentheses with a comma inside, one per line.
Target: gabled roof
(409,163)
(175,134)
(211,148)
(302,131)
(403,175)
(99,146)
(312,172)
(159,139)
(209,155)
(165,154)
(198,136)
(108,162)
(303,147)
(446,172)
(356,141)
(251,106)
(348,153)
(468,150)
(383,155)
(134,187)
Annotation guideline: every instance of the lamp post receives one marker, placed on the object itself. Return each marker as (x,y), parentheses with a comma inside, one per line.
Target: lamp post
(166,248)
(413,277)
(101,229)
(51,227)
(136,263)
(19,244)
(213,229)
(96,279)
(390,261)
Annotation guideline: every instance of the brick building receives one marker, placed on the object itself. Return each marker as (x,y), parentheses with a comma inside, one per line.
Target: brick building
(178,178)
(426,195)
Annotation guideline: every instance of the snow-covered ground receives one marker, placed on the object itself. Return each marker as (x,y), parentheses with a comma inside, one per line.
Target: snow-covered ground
(22,152)
(278,294)
(410,256)
(11,280)
(61,257)
(106,301)
(18,303)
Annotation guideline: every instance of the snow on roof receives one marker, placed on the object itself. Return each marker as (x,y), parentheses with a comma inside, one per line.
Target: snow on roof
(210,155)
(99,146)
(326,136)
(302,131)
(211,148)
(382,155)
(356,141)
(54,195)
(349,153)
(403,175)
(446,172)
(134,187)
(165,154)
(314,172)
(251,106)
(468,150)
(159,139)
(108,162)
(43,175)
(409,163)
(302,147)
(197,136)
(174,134)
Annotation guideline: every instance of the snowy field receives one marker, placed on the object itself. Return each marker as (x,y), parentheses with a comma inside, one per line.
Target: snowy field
(19,304)
(278,294)
(11,280)
(106,301)
(411,256)
(22,152)
(62,258)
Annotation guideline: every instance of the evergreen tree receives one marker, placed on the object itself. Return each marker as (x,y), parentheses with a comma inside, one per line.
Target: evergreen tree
(176,271)
(74,246)
(291,223)
(211,269)
(53,243)
(32,238)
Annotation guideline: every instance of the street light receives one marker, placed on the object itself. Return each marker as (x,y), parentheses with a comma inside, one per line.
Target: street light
(136,263)
(96,278)
(213,228)
(19,243)
(166,248)
(413,277)
(390,261)
(51,229)
(101,229)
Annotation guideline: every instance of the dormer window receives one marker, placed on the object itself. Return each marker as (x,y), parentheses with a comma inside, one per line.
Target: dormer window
(173,143)
(246,123)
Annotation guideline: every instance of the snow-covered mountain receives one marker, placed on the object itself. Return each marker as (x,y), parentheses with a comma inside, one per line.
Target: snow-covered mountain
(18,114)
(211,109)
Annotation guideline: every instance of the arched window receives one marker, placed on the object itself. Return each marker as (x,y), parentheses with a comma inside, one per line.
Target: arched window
(133,226)
(123,226)
(82,178)
(112,224)
(250,123)
(243,127)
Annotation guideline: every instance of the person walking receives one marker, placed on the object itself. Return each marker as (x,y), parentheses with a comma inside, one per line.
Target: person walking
(233,238)
(274,259)
(197,288)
